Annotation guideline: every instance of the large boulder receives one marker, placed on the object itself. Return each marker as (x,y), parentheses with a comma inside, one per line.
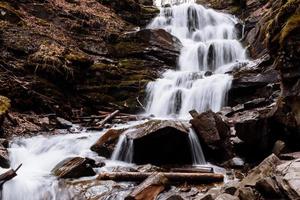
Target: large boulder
(214,134)
(156,141)
(75,167)
(161,142)
(257,79)
(151,44)
(134,11)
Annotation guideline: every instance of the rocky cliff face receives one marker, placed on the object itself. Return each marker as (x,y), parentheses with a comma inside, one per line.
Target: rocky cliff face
(61,56)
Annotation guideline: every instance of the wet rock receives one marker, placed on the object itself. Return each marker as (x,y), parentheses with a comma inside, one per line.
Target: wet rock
(4,158)
(150,188)
(214,134)
(97,189)
(288,178)
(227,197)
(266,168)
(74,168)
(106,143)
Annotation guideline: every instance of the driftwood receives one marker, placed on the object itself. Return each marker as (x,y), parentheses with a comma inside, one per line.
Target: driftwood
(10,174)
(150,188)
(106,119)
(171,176)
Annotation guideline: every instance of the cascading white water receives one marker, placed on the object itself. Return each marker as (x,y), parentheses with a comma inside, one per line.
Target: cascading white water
(210,48)
(124,149)
(197,153)
(38,156)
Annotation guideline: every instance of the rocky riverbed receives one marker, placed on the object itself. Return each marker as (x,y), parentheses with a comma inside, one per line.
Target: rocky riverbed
(66,65)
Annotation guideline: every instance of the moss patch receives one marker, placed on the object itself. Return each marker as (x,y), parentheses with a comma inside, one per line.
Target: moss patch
(4,105)
(292,24)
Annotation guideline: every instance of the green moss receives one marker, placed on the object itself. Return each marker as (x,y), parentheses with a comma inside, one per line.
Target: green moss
(285,21)
(149,10)
(99,66)
(4,105)
(292,24)
(235,10)
(131,63)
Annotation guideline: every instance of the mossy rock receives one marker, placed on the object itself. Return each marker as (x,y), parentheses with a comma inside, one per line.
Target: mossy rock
(79,59)
(149,10)
(127,48)
(286,21)
(4,105)
(291,25)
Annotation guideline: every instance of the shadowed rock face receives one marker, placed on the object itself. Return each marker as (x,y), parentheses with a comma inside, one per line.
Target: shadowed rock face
(161,144)
(164,147)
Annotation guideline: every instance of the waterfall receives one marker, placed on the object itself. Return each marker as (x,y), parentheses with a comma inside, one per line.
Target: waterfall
(123,150)
(197,153)
(210,49)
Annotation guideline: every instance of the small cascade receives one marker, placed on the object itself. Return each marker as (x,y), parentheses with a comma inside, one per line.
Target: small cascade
(123,150)
(197,153)
(211,47)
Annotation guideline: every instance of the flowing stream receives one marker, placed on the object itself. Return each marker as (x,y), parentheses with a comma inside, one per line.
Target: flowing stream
(210,49)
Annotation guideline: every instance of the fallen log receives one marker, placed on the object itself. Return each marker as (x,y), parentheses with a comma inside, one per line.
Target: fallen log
(106,119)
(150,188)
(8,175)
(171,176)
(193,170)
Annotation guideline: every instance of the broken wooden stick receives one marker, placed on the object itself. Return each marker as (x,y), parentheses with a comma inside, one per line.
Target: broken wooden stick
(142,106)
(106,119)
(8,175)
(172,176)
